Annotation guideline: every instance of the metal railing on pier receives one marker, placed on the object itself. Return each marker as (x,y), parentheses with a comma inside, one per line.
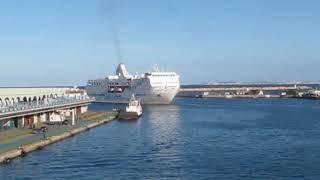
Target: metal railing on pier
(49,102)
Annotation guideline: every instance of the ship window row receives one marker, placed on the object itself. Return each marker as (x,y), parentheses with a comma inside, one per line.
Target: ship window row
(164,86)
(96,83)
(169,75)
(168,82)
(127,83)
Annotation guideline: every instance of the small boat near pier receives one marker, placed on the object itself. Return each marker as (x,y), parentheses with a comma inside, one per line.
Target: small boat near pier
(132,112)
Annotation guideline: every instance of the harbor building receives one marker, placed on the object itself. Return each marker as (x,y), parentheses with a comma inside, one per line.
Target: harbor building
(26,107)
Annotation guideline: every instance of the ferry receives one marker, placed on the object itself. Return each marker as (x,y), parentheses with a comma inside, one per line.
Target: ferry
(153,87)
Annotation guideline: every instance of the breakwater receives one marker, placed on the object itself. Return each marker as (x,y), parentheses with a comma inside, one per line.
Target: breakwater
(270,88)
(244,91)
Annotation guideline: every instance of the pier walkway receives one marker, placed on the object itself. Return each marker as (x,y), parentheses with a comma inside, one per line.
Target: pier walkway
(15,138)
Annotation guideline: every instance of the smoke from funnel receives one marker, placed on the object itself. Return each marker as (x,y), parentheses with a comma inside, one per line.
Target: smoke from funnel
(117,46)
(109,11)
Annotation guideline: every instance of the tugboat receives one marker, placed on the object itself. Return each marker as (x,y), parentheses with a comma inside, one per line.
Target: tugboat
(133,111)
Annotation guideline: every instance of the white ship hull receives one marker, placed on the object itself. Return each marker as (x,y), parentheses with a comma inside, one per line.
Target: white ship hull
(164,97)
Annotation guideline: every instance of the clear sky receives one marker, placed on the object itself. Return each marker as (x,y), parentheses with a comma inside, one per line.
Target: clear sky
(67,42)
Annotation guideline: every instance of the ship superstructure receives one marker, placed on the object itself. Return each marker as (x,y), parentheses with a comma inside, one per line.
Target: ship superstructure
(154,87)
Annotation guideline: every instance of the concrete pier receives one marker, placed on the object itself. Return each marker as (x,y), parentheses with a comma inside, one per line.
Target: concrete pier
(6,157)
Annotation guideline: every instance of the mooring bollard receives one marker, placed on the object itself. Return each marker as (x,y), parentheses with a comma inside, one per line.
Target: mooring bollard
(23,153)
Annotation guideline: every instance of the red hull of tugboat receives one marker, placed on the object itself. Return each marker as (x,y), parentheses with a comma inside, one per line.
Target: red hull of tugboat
(128,116)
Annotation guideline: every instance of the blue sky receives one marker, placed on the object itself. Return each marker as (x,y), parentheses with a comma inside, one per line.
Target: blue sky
(62,42)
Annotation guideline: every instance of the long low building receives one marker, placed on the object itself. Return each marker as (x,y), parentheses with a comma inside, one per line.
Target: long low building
(17,94)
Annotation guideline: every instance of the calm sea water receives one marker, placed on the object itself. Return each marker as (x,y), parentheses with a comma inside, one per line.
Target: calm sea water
(192,139)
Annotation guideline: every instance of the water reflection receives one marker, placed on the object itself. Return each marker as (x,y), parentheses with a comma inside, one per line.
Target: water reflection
(163,132)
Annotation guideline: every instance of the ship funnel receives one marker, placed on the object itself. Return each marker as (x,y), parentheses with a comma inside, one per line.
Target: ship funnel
(122,70)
